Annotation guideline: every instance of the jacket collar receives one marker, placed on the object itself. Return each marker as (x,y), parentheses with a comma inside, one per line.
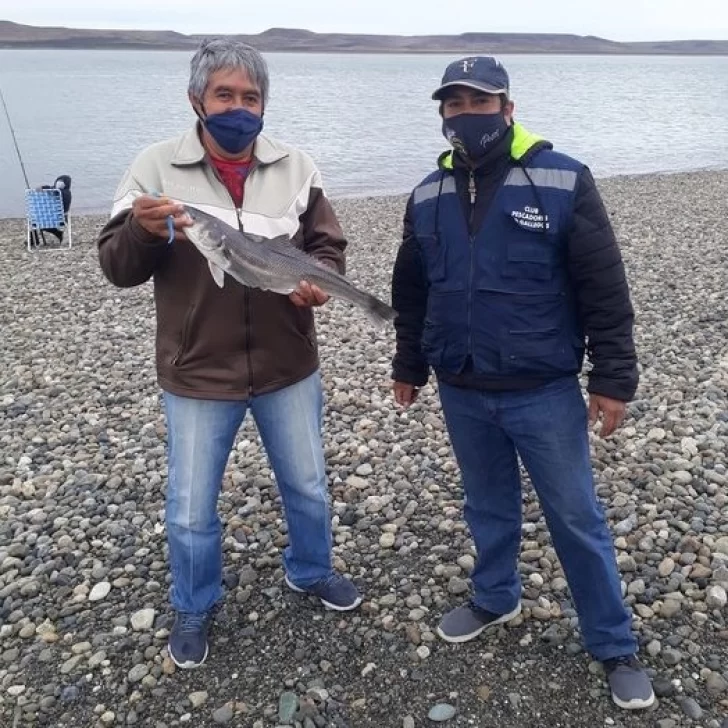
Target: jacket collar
(523,146)
(189,150)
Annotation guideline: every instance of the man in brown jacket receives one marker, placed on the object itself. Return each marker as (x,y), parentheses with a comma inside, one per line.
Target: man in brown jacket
(223,351)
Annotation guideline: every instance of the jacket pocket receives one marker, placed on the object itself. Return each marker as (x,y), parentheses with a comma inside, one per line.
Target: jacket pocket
(434,258)
(434,340)
(304,326)
(539,352)
(530,250)
(445,333)
(184,341)
(532,259)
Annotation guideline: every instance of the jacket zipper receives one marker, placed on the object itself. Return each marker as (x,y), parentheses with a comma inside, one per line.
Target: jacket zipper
(246,291)
(472,191)
(248,325)
(246,294)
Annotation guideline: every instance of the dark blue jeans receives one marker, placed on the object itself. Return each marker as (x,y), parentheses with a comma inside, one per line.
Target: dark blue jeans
(548,428)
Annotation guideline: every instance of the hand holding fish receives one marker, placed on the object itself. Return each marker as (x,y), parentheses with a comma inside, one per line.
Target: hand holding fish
(307,295)
(152,213)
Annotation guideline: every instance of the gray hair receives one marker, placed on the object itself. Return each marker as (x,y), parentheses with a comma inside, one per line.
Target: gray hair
(215,54)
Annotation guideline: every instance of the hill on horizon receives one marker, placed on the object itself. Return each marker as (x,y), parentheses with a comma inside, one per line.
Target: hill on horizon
(18,36)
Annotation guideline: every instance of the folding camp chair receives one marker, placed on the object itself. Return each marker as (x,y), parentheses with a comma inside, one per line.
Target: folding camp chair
(44,212)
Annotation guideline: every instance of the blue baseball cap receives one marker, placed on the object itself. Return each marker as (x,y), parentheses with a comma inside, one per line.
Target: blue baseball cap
(483,73)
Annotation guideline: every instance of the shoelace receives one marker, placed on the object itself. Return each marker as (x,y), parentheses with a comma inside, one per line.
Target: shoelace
(329,581)
(625,661)
(190,622)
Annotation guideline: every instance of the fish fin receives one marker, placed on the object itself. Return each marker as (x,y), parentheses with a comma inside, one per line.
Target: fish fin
(378,312)
(281,244)
(240,271)
(277,241)
(218,274)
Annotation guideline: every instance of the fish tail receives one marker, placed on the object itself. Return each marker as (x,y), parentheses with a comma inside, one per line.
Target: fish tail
(377,311)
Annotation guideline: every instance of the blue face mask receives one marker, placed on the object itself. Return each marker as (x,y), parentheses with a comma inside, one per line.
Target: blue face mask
(474,135)
(234,130)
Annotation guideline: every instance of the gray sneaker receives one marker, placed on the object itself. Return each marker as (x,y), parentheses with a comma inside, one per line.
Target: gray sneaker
(187,644)
(335,592)
(466,622)
(631,687)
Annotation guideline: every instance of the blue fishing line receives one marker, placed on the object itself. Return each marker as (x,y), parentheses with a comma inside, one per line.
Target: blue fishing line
(170,221)
(170,229)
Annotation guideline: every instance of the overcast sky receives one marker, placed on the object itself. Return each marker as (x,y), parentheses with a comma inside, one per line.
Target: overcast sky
(613,19)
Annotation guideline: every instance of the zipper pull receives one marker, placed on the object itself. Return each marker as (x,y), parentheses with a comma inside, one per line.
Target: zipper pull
(471,187)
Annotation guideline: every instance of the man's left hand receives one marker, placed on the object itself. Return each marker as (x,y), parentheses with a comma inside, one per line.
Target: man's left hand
(307,295)
(611,412)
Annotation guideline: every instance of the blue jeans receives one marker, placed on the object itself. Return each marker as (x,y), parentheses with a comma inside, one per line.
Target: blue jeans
(548,427)
(201,435)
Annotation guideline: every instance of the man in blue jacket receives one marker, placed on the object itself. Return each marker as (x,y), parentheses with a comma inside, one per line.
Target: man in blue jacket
(508,273)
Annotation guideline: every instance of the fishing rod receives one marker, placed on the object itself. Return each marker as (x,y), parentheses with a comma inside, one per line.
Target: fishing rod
(35,233)
(15,141)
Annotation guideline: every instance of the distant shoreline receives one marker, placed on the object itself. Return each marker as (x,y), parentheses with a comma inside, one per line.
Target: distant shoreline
(15,36)
(89,214)
(382,51)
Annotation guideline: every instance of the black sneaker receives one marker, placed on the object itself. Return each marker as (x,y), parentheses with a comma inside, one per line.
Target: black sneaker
(467,621)
(187,644)
(630,685)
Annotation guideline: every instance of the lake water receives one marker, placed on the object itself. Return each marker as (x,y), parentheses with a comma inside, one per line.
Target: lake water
(367,120)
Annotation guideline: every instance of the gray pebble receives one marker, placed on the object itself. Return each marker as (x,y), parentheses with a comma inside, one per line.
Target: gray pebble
(223,715)
(691,708)
(441,712)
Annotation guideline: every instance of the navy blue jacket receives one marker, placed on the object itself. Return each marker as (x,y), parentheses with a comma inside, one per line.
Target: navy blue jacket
(506,274)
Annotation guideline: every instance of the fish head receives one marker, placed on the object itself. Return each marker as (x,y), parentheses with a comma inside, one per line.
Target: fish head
(211,234)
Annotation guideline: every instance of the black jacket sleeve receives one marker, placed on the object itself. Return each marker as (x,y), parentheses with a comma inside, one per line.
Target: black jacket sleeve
(409,299)
(602,295)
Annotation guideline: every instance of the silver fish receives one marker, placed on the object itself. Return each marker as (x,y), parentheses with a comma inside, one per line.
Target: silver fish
(272,264)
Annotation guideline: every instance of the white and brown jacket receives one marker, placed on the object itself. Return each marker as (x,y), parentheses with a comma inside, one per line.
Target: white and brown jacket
(231,342)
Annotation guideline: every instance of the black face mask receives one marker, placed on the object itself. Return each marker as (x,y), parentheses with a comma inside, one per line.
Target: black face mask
(474,135)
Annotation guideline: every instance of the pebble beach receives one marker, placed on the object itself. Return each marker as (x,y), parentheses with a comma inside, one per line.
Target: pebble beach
(84,617)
